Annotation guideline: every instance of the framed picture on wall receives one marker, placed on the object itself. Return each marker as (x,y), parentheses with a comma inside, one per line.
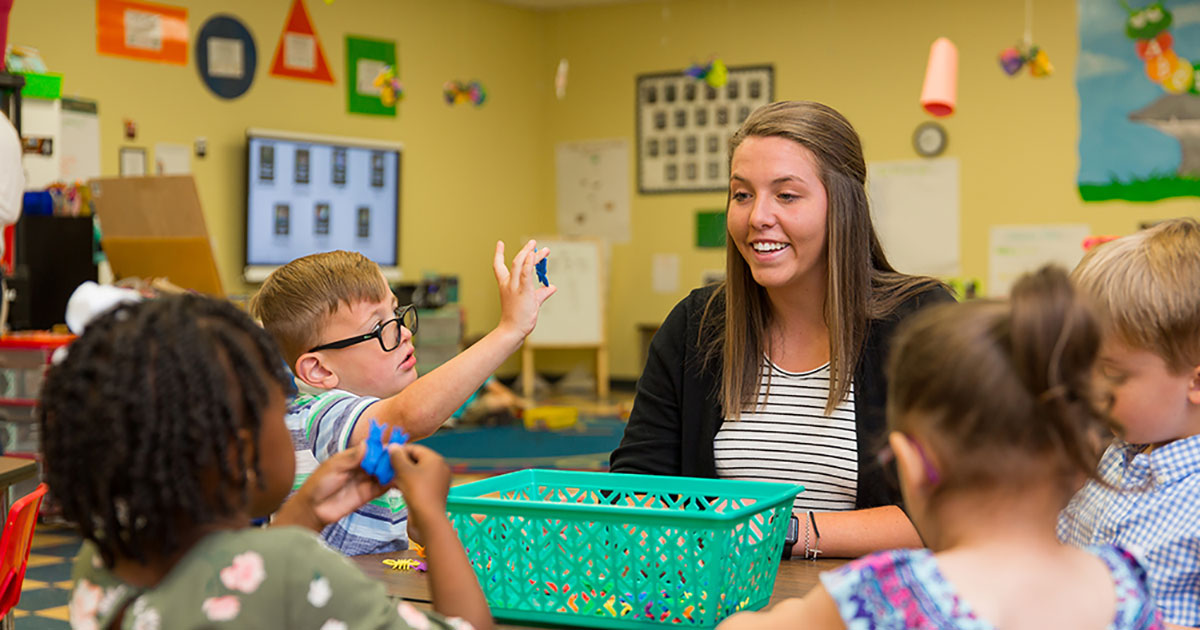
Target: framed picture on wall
(684,126)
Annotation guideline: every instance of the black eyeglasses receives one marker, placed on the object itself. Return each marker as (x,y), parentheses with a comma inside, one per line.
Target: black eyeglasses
(388,333)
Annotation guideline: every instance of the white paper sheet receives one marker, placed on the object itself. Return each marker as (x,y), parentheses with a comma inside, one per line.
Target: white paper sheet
(367,70)
(80,157)
(133,162)
(172,159)
(915,205)
(226,58)
(665,273)
(593,189)
(1017,249)
(299,51)
(143,30)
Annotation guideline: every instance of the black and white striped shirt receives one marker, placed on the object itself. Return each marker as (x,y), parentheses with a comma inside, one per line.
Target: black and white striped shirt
(789,438)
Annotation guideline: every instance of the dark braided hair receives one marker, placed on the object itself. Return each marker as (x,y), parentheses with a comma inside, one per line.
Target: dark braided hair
(142,418)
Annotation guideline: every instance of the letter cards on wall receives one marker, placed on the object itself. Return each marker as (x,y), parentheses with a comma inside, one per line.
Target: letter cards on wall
(684,126)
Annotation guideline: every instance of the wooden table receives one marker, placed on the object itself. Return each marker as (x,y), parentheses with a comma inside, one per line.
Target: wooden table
(12,470)
(795,579)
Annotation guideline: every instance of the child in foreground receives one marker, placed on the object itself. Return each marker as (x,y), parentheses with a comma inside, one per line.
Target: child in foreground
(163,433)
(992,426)
(1145,288)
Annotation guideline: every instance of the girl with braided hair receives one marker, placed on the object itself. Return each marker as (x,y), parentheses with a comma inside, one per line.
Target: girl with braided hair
(163,432)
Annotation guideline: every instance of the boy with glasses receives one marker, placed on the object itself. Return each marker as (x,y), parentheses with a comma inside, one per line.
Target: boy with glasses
(346,337)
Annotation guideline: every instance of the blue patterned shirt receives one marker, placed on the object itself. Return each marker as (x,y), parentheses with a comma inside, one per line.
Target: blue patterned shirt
(321,425)
(1153,510)
(903,589)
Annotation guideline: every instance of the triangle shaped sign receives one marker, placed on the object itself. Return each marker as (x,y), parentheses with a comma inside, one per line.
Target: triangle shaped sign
(299,54)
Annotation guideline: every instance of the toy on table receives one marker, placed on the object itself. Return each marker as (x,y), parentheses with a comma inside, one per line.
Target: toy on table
(376,462)
(406,564)
(541,270)
(1099,239)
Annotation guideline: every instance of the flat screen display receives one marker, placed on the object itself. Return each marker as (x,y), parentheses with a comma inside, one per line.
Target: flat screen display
(307,194)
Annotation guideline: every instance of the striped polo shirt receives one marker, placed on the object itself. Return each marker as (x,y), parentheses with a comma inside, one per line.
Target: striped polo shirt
(789,438)
(320,425)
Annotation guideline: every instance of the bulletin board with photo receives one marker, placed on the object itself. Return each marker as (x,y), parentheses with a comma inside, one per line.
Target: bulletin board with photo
(684,126)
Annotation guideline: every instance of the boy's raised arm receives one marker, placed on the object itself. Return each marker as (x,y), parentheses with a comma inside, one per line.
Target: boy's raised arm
(423,406)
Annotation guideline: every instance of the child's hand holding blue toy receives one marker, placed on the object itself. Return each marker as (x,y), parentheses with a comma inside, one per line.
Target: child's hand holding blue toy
(376,462)
(541,270)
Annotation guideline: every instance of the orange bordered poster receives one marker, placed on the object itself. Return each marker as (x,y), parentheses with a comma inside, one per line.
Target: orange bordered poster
(142,30)
(299,54)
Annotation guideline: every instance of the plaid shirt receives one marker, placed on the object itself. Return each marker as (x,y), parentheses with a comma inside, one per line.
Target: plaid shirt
(1153,510)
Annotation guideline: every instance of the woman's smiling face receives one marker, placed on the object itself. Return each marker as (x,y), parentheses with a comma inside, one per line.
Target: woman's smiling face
(777,211)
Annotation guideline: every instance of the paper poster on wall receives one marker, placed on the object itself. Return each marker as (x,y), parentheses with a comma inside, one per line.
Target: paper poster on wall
(592,182)
(132,162)
(915,206)
(172,159)
(142,30)
(1017,249)
(225,56)
(80,156)
(665,273)
(299,54)
(1139,102)
(365,59)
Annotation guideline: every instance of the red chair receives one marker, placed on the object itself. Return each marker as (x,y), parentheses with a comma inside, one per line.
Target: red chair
(14,546)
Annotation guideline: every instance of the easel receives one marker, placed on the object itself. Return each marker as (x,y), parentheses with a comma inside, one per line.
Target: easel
(527,371)
(573,318)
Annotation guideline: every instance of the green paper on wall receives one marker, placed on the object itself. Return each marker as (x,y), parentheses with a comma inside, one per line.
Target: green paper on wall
(710,228)
(365,59)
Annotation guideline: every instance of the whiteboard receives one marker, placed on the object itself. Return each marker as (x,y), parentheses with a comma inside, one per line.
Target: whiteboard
(914,204)
(573,316)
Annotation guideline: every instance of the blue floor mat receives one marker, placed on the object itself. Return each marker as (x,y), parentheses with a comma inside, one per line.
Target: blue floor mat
(585,446)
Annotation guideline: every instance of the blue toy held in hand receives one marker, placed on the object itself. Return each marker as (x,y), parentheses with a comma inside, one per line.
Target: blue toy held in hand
(376,462)
(541,269)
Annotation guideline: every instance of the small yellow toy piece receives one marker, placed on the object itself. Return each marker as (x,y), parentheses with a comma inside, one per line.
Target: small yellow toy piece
(550,417)
(404,564)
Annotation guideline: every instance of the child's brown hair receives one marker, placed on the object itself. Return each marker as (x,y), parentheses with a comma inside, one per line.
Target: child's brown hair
(993,386)
(297,299)
(1146,290)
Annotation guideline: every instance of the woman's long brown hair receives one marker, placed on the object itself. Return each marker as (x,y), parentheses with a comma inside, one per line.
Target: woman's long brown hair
(861,285)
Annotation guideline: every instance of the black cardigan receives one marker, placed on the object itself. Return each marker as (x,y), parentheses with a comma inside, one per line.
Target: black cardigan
(676,416)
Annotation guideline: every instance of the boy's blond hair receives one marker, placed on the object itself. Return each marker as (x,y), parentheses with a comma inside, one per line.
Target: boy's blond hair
(1146,289)
(295,302)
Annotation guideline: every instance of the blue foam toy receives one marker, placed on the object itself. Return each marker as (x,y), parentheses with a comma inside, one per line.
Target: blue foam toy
(376,462)
(541,270)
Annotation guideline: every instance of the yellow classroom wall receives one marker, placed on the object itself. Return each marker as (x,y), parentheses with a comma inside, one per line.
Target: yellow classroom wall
(1015,137)
(474,175)
(470,175)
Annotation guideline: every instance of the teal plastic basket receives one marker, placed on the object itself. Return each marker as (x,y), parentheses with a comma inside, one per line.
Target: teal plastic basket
(607,550)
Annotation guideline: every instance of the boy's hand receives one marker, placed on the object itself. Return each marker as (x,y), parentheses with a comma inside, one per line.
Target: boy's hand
(423,478)
(336,488)
(520,296)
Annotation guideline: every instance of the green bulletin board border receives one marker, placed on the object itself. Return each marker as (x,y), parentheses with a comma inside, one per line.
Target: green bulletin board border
(366,48)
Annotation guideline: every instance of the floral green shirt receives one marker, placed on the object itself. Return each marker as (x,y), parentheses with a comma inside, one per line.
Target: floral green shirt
(252,578)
